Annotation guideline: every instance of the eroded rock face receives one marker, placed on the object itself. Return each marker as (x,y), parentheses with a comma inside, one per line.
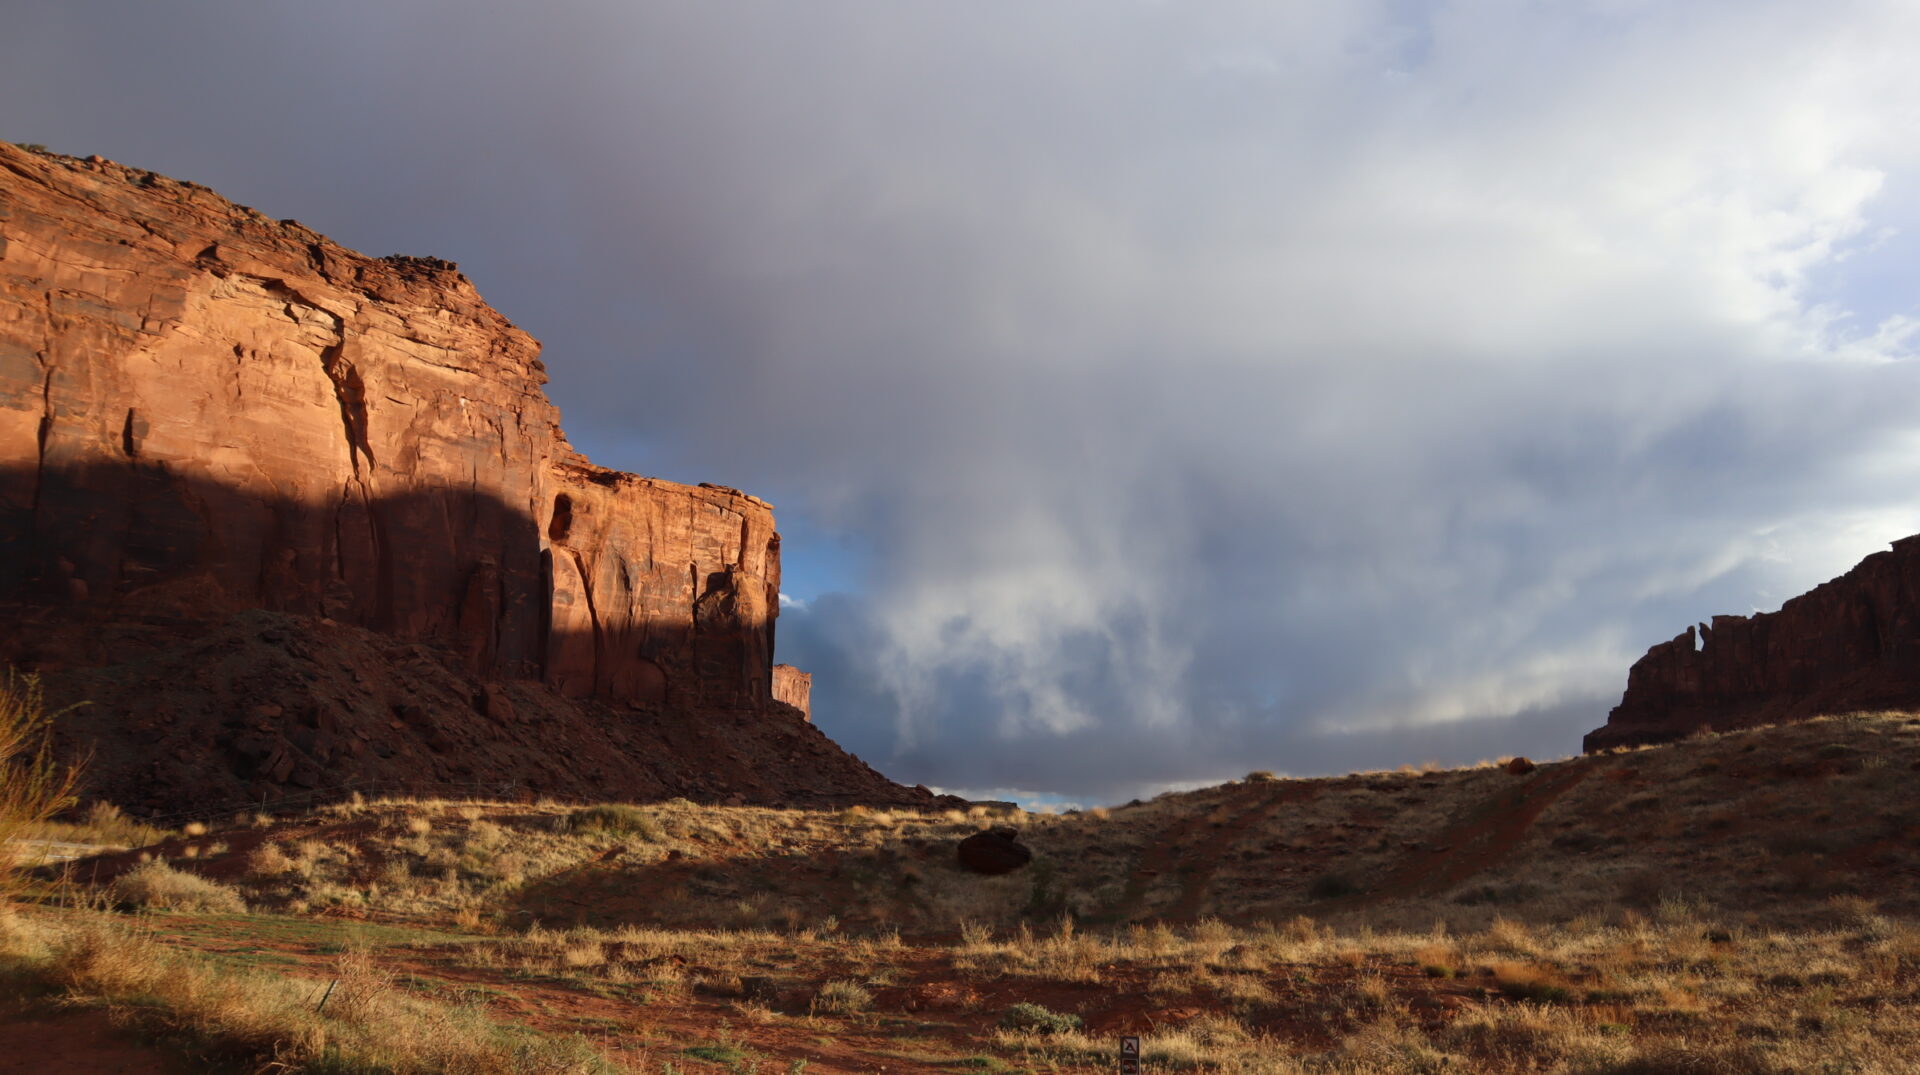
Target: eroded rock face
(662,593)
(206,414)
(1849,644)
(794,687)
(204,409)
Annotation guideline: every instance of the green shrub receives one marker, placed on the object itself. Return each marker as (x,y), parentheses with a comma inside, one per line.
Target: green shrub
(617,819)
(1035,1019)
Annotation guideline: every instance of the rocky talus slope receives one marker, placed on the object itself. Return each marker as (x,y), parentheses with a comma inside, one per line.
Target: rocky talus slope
(1849,644)
(227,442)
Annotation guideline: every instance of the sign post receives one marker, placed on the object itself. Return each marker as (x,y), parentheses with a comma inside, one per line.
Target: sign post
(1129,1056)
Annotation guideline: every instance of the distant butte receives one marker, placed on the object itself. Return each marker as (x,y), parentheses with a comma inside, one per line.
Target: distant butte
(297,519)
(1847,645)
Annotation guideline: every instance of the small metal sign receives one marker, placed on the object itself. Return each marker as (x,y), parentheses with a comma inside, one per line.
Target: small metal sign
(1129,1056)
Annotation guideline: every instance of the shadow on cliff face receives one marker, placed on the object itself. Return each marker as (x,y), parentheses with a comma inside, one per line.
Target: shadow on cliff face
(243,647)
(457,567)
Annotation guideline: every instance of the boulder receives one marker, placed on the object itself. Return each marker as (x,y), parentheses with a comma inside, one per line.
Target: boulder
(994,851)
(1521,766)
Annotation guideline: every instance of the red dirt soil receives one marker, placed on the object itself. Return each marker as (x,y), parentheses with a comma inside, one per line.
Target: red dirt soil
(36,1040)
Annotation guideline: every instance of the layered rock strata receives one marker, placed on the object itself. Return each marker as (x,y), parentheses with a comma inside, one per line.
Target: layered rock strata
(204,411)
(1849,644)
(793,687)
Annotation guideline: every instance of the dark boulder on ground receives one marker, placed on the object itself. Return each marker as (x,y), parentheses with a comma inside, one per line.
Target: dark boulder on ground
(1521,766)
(995,851)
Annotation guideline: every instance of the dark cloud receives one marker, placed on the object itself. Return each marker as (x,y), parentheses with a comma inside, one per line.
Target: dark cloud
(1203,389)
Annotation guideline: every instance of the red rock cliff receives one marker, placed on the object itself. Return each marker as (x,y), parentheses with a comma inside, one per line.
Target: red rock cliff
(201,408)
(1849,644)
(794,687)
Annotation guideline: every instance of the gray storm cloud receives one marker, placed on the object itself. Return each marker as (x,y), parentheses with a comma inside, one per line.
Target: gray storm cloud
(1214,387)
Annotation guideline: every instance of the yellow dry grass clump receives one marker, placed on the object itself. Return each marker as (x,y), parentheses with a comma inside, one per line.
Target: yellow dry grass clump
(157,886)
(33,785)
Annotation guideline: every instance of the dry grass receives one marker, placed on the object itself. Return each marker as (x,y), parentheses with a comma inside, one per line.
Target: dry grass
(1734,903)
(842,997)
(1709,819)
(33,786)
(102,823)
(157,886)
(366,1026)
(1636,996)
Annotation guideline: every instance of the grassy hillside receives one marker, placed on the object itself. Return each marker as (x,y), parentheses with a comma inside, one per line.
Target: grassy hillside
(1741,903)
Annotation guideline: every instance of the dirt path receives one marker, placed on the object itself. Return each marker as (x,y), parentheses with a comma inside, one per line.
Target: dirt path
(1203,859)
(1484,838)
(1195,847)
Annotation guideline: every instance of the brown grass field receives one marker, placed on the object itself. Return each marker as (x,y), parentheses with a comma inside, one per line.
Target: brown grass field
(1742,903)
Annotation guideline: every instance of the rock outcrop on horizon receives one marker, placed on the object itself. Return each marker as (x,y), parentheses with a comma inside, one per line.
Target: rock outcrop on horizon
(205,412)
(1846,645)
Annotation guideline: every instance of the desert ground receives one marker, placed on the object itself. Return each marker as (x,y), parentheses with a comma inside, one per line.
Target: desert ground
(1739,903)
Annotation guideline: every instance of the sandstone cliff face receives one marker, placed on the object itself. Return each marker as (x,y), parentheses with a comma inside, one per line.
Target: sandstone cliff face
(206,415)
(1849,644)
(202,408)
(793,687)
(661,592)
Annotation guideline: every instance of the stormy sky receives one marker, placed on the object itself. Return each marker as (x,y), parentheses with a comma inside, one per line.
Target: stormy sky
(1149,391)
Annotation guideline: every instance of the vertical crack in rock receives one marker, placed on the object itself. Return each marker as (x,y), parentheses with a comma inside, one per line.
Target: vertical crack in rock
(593,617)
(340,571)
(351,391)
(45,430)
(385,614)
(543,639)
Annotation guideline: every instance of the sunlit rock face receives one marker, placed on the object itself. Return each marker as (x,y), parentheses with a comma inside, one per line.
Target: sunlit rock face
(203,409)
(794,687)
(1849,644)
